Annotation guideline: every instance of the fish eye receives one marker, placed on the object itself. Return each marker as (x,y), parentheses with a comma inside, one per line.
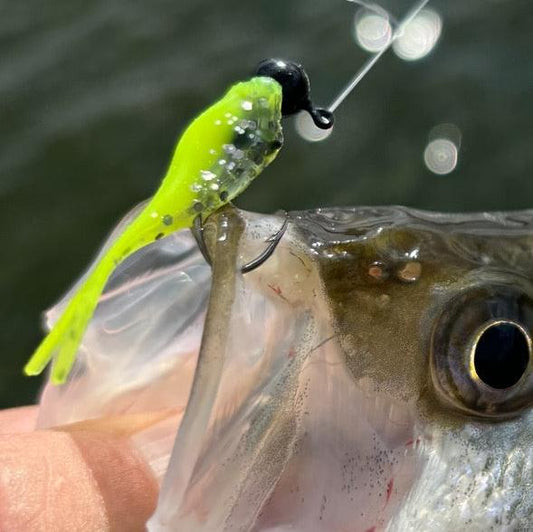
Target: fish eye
(501,354)
(481,351)
(295,88)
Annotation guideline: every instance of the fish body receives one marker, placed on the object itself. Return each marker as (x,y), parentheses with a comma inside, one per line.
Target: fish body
(350,401)
(337,387)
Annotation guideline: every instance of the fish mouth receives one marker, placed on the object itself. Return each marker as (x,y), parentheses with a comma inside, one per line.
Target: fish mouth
(312,405)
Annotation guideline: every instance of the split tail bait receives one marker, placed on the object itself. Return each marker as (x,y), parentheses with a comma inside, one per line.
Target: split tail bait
(217,157)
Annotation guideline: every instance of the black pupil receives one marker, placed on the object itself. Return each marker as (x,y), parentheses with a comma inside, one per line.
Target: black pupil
(501,355)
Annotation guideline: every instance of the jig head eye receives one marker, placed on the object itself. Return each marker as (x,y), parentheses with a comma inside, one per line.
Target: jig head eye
(295,86)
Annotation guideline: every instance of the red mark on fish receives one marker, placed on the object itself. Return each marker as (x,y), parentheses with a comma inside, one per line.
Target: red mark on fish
(277,290)
(390,485)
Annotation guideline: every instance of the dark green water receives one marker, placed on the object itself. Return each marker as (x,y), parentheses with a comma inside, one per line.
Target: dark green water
(94,94)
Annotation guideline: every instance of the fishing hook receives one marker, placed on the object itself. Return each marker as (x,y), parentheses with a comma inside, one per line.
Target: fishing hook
(197,230)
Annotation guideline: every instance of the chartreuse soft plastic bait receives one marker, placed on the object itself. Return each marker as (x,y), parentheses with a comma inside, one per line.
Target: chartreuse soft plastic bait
(217,157)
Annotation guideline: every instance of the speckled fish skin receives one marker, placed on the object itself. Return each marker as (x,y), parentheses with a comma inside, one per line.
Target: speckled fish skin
(475,474)
(329,415)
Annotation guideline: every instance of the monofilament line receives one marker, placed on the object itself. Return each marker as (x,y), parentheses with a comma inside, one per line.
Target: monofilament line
(372,60)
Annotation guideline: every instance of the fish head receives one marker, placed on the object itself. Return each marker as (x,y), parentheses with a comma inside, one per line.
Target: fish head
(374,374)
(434,320)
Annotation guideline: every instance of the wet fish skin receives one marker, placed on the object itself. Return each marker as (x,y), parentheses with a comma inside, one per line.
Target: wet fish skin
(478,474)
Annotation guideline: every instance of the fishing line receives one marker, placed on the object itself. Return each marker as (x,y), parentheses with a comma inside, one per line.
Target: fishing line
(363,71)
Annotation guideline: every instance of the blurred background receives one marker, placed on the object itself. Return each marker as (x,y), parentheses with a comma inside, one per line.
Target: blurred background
(93,96)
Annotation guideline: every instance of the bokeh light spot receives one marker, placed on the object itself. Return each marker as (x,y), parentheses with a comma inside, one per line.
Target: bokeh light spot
(307,130)
(372,30)
(419,37)
(441,156)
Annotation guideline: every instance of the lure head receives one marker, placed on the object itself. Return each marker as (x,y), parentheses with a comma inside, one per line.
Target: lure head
(296,90)
(226,147)
(235,139)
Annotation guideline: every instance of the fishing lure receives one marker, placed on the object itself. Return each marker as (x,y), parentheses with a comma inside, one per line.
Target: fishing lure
(216,158)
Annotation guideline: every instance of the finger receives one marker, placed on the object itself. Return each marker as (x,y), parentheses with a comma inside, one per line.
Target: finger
(20,419)
(54,480)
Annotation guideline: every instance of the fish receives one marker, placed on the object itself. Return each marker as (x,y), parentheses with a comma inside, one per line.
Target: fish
(375,374)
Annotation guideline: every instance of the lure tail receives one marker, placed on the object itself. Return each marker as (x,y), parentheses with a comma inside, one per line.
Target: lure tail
(64,339)
(199,181)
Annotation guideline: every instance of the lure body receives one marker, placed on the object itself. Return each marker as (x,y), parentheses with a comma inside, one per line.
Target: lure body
(217,157)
